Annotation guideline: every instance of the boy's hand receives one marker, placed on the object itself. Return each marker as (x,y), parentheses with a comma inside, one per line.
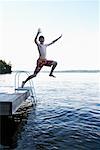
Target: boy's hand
(39,30)
(61,36)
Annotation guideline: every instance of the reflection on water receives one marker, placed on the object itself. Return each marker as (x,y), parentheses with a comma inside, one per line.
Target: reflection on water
(12,126)
(67,115)
(8,132)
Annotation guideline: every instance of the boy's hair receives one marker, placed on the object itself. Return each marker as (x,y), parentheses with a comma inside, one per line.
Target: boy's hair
(41,37)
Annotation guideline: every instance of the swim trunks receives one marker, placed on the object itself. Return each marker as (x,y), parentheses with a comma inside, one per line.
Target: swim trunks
(44,62)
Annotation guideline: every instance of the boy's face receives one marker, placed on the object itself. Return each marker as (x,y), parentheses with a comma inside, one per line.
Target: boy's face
(41,40)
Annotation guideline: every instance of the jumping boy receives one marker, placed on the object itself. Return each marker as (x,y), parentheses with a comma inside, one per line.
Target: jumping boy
(42,61)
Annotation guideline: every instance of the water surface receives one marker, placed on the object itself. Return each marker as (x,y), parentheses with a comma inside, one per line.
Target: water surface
(67,114)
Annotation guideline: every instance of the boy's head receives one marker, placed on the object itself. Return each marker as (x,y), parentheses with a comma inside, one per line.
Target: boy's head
(41,39)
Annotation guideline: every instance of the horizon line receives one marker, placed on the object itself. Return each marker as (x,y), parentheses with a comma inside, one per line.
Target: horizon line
(60,71)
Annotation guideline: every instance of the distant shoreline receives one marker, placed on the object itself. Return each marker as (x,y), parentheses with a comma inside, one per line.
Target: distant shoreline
(83,71)
(68,71)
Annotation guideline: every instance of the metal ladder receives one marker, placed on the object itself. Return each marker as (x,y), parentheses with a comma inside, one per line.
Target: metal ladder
(30,88)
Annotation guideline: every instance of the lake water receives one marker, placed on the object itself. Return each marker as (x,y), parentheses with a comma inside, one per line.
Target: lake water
(66,117)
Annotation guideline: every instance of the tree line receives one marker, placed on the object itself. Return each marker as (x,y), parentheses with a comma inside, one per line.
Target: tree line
(4,67)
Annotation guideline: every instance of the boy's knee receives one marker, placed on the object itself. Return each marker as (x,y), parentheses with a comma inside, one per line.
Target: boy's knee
(55,63)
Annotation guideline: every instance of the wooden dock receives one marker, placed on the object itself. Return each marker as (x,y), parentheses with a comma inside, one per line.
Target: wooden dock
(9,103)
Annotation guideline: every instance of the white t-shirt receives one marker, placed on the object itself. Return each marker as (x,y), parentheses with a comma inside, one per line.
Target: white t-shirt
(42,50)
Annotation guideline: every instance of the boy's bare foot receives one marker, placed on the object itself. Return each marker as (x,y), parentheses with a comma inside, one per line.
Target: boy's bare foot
(51,75)
(23,83)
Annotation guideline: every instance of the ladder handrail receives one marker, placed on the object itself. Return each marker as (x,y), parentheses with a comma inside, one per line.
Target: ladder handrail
(32,89)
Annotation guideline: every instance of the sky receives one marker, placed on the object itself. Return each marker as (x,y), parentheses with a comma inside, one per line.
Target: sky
(77,20)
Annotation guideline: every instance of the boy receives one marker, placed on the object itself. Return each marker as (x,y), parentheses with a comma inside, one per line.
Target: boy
(42,61)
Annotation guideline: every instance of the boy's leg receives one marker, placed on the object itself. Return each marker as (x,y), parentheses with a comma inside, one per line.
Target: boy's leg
(37,70)
(54,64)
(30,77)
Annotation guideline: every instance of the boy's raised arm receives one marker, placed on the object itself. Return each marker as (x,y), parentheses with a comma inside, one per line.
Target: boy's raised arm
(35,40)
(55,40)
